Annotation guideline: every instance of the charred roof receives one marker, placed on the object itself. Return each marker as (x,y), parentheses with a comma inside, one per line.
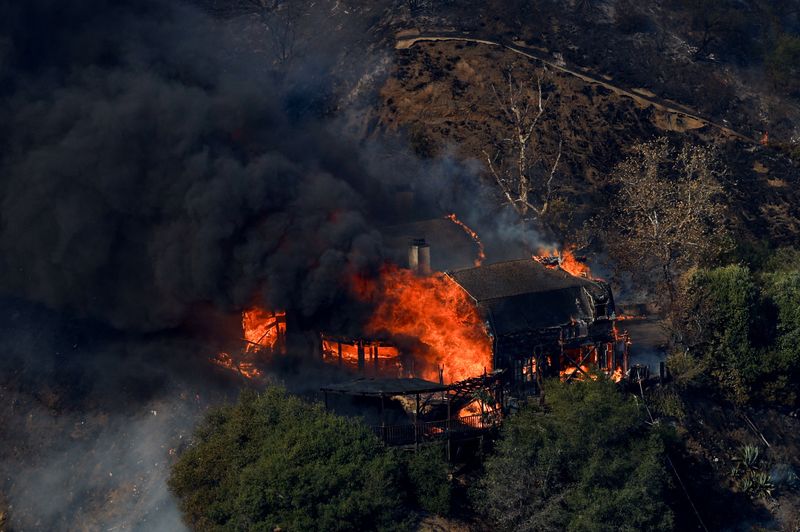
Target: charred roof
(524,295)
(516,277)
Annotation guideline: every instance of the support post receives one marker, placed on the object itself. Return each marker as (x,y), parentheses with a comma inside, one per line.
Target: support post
(361,354)
(447,426)
(416,425)
(383,422)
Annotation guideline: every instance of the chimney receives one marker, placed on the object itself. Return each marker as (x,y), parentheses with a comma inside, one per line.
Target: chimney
(419,257)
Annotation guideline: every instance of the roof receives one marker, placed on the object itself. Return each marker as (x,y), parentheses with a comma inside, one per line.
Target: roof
(378,387)
(515,277)
(524,295)
(537,310)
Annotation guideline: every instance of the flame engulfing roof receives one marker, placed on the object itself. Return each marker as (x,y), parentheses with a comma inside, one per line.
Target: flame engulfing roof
(524,295)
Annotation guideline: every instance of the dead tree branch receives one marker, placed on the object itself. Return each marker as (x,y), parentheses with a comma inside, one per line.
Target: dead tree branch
(518,164)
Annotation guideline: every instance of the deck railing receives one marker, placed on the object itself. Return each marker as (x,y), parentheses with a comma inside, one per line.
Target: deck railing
(435,430)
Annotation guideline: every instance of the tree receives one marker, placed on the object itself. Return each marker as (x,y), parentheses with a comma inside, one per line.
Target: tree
(517,161)
(668,212)
(429,476)
(744,327)
(280,19)
(587,462)
(723,305)
(272,461)
(783,292)
(719,25)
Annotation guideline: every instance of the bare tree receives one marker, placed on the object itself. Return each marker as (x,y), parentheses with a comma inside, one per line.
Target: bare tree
(668,214)
(280,19)
(516,161)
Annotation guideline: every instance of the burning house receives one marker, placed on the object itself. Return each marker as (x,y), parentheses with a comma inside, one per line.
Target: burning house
(447,350)
(526,318)
(545,321)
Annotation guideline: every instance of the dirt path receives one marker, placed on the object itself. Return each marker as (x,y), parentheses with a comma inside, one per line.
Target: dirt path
(407,39)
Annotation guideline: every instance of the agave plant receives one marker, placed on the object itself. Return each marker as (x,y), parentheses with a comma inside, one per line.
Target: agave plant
(746,484)
(745,461)
(748,456)
(748,472)
(761,485)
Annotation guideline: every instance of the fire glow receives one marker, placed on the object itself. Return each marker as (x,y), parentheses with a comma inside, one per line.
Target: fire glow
(448,331)
(472,234)
(263,332)
(564,259)
(247,370)
(263,328)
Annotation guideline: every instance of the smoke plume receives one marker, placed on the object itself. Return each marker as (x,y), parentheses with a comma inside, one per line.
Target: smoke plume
(146,171)
(157,162)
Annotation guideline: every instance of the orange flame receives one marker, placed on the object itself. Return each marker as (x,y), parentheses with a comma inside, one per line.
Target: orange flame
(437,313)
(579,374)
(625,317)
(378,356)
(245,369)
(263,328)
(472,234)
(564,259)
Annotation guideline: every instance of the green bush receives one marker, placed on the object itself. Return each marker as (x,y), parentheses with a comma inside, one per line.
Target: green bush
(666,402)
(783,360)
(724,309)
(588,462)
(273,461)
(686,371)
(745,328)
(431,485)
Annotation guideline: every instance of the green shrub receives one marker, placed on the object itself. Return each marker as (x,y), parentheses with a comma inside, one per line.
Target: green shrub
(724,305)
(431,484)
(589,462)
(745,328)
(685,369)
(782,363)
(664,401)
(274,461)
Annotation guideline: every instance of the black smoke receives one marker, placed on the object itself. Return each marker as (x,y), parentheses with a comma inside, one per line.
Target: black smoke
(146,169)
(151,168)
(157,167)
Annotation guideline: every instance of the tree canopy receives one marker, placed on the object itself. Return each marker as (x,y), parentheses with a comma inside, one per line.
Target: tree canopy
(586,462)
(272,461)
(668,213)
(744,325)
